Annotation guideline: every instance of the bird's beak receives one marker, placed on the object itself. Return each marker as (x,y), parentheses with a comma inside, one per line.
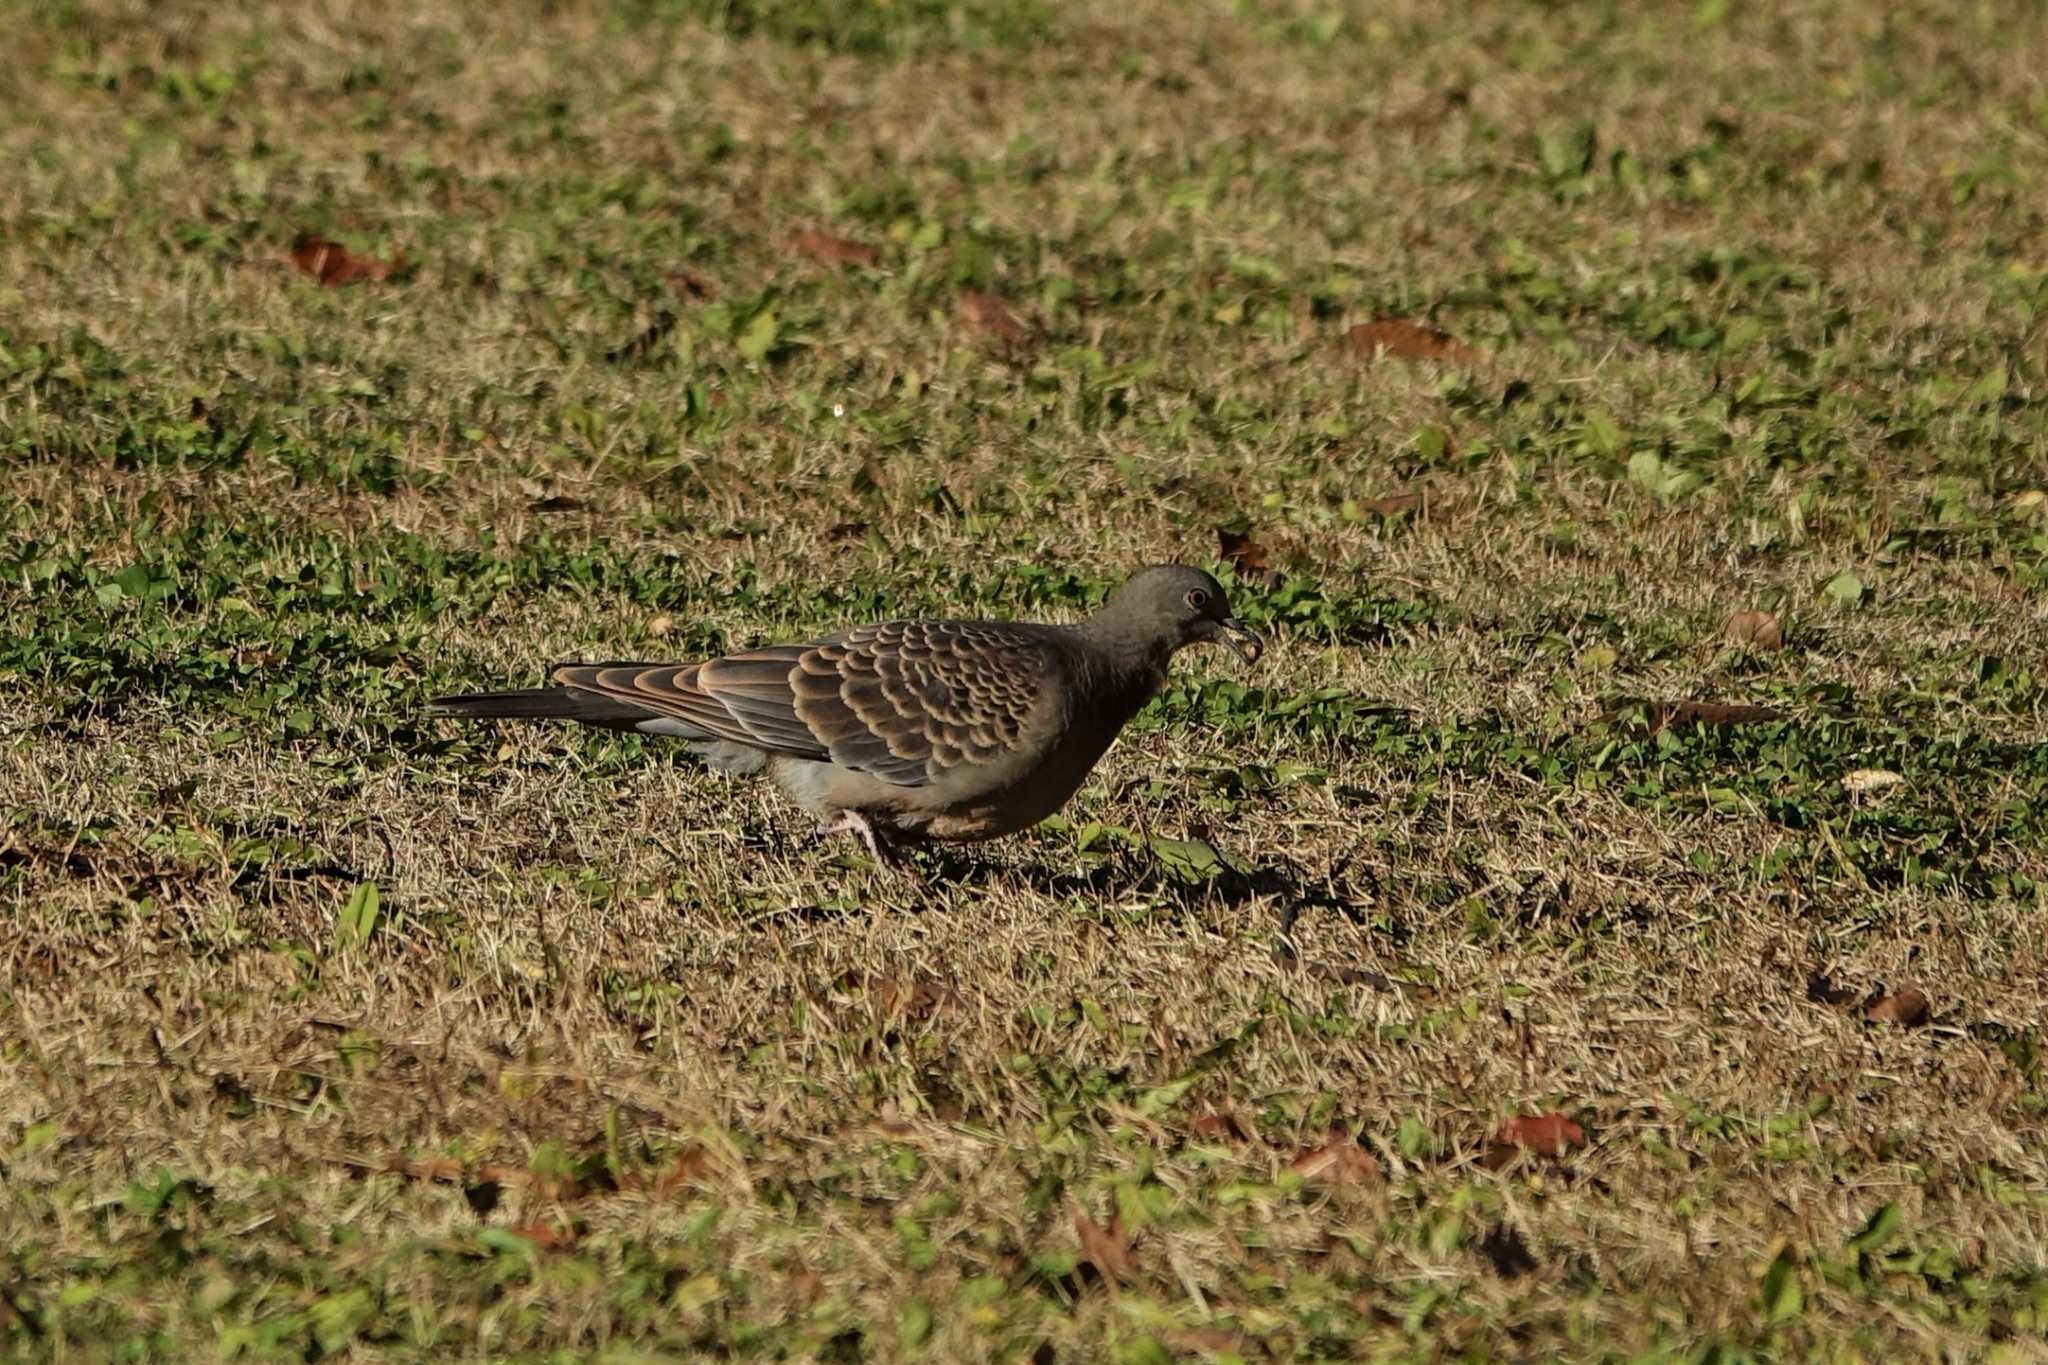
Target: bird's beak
(1241,639)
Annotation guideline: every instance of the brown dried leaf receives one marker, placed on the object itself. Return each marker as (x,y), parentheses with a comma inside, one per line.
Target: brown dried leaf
(1667,713)
(546,1236)
(1405,339)
(688,284)
(1863,781)
(566,1189)
(910,999)
(1393,505)
(1340,1161)
(335,265)
(1107,1249)
(1757,629)
(442,1168)
(1907,1007)
(686,1167)
(1242,553)
(822,248)
(557,503)
(1226,1125)
(1210,1341)
(989,315)
(1549,1134)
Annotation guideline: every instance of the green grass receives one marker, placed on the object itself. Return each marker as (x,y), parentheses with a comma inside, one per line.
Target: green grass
(327,1028)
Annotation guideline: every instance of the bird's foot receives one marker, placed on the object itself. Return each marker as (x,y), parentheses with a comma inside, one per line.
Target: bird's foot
(878,843)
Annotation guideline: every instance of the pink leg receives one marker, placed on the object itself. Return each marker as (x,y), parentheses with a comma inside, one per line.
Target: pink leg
(855,822)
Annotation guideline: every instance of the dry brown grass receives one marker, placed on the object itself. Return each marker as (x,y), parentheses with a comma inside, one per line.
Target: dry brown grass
(739,1094)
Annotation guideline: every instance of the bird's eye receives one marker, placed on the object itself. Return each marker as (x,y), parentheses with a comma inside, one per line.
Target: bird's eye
(1197,598)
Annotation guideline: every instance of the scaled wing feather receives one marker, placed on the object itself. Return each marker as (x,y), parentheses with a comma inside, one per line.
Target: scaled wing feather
(903,701)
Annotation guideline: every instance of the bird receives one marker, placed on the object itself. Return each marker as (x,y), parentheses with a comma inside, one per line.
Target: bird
(908,732)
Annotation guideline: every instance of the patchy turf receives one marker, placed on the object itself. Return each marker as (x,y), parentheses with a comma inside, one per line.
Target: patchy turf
(1527,961)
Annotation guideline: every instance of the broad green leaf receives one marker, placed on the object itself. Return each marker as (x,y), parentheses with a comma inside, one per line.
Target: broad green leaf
(1845,588)
(1783,1298)
(759,338)
(1884,1220)
(1161,1098)
(358,917)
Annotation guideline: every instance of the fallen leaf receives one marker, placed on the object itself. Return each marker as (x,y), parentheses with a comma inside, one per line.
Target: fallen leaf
(911,999)
(565,1188)
(1107,1249)
(335,265)
(1391,506)
(1210,1341)
(1845,588)
(1226,1125)
(546,1236)
(1242,553)
(807,1283)
(444,1168)
(1405,339)
(689,284)
(1340,1161)
(990,315)
(1860,780)
(1757,629)
(823,248)
(1506,1252)
(1659,715)
(661,625)
(686,1167)
(1822,991)
(1549,1134)
(1907,1007)
(557,503)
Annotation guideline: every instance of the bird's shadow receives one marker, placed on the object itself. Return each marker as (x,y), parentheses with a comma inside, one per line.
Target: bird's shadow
(1294,892)
(1117,877)
(921,881)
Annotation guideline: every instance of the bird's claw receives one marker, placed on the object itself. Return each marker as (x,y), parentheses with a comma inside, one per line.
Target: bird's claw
(852,821)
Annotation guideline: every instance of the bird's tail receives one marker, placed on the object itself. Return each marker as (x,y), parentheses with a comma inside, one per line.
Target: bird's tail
(545,703)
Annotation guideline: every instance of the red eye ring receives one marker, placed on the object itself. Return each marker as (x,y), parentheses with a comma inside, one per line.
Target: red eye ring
(1197,598)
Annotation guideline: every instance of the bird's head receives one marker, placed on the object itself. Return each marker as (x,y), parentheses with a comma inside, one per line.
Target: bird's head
(1180,606)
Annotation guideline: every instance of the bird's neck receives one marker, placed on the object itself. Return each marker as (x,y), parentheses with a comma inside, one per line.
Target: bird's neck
(1133,662)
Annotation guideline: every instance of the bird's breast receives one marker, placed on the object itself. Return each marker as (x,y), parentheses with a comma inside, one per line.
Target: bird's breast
(1015,792)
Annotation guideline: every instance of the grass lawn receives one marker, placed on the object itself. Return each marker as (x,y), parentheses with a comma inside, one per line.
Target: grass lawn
(1611,922)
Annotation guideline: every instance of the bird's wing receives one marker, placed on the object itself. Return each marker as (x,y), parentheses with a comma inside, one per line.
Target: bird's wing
(904,700)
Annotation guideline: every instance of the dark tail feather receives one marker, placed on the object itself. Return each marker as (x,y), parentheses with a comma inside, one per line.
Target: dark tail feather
(544,703)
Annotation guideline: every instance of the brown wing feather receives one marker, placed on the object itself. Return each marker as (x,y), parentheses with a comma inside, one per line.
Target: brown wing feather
(914,698)
(903,700)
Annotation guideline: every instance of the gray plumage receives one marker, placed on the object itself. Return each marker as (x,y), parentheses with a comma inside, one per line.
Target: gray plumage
(910,730)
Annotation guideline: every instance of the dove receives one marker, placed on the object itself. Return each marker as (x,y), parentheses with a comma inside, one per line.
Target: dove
(909,731)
